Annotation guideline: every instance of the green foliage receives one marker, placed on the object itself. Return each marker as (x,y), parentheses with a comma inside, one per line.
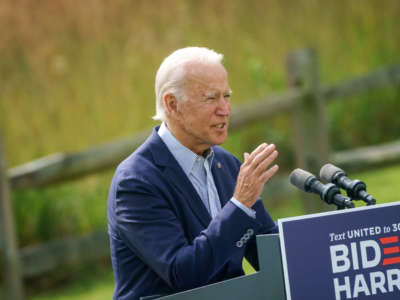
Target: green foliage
(70,209)
(369,119)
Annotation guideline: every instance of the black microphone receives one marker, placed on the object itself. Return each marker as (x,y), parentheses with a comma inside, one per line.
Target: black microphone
(355,189)
(329,193)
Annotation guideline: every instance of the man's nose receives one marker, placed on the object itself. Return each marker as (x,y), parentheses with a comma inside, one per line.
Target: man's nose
(224,107)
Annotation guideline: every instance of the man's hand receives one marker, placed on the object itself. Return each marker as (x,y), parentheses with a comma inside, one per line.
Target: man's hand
(254,173)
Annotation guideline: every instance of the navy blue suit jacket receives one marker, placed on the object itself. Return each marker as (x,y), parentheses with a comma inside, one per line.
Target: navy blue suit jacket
(161,235)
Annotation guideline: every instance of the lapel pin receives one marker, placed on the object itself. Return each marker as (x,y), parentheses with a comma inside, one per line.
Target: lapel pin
(219,165)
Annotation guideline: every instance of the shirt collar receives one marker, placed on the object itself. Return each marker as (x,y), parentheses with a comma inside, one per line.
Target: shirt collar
(183,155)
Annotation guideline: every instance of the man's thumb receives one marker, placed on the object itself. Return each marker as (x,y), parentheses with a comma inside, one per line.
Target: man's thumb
(246,156)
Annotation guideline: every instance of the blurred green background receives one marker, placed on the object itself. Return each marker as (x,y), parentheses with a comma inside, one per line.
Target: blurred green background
(78,74)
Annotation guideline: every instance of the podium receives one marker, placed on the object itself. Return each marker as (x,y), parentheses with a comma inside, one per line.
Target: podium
(345,254)
(267,283)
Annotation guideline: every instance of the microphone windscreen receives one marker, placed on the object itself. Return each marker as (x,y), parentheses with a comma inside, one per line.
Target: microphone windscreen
(327,172)
(299,177)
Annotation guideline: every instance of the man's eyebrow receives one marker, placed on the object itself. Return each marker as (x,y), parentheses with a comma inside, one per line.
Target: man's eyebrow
(210,94)
(213,94)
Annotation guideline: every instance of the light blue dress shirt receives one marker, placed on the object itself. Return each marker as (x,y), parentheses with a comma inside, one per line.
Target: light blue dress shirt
(198,169)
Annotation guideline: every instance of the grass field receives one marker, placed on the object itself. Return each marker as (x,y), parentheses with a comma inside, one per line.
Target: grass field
(382,184)
(67,84)
(87,287)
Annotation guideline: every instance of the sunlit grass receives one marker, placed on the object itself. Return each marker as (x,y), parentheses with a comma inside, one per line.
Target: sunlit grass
(382,184)
(88,287)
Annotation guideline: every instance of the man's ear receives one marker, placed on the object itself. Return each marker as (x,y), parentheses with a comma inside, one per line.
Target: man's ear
(170,103)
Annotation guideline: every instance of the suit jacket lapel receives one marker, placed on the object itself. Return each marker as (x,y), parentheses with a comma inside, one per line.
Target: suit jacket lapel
(222,187)
(178,178)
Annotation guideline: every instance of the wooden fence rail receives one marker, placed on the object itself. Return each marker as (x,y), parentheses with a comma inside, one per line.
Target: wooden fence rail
(47,257)
(304,101)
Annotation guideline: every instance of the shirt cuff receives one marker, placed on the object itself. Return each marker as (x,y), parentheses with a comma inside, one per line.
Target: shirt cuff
(250,212)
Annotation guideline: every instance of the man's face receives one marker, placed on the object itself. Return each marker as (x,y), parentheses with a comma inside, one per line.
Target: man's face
(202,120)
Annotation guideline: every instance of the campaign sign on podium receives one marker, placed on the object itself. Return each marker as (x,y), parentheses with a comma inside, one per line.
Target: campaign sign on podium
(345,254)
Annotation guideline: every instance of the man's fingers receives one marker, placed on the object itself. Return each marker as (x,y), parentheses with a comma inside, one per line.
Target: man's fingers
(260,157)
(262,166)
(269,173)
(256,151)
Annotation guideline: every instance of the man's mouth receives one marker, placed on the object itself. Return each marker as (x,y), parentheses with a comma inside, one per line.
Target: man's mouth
(221,125)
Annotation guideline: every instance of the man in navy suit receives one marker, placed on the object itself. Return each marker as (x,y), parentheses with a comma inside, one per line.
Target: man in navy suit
(182,211)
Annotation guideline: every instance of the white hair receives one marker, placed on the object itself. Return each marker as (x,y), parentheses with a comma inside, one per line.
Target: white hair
(171,74)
